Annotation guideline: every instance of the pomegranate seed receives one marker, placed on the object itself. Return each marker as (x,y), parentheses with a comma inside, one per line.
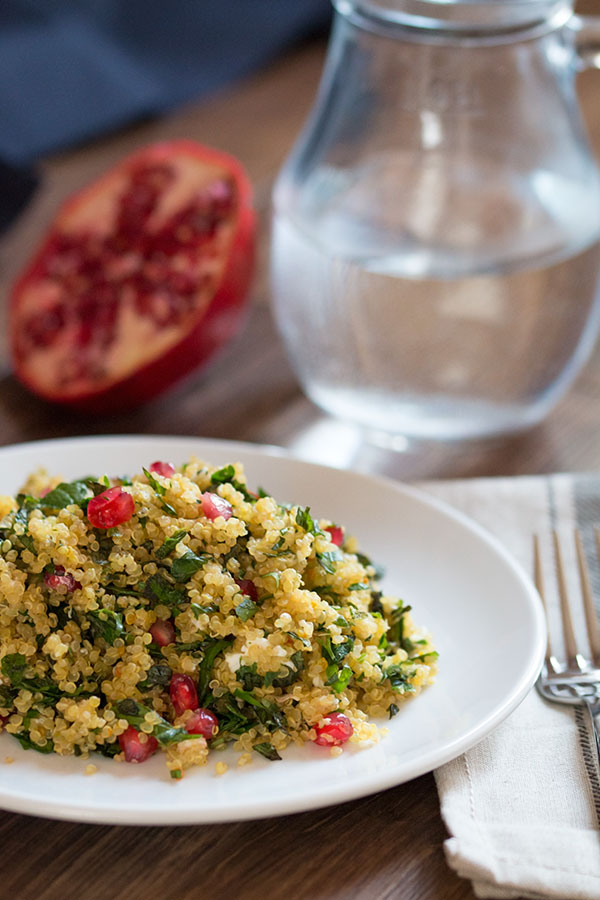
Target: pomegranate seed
(214,506)
(110,508)
(183,693)
(220,195)
(166,469)
(336,729)
(61,578)
(135,751)
(203,722)
(247,587)
(163,632)
(44,328)
(337,534)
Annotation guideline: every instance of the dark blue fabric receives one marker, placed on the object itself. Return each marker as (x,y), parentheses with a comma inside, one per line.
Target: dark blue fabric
(17,186)
(73,69)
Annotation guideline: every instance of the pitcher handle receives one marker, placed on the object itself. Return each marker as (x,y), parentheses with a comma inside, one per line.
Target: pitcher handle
(586,32)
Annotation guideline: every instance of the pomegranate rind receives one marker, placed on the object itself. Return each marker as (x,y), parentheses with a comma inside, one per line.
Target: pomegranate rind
(213,327)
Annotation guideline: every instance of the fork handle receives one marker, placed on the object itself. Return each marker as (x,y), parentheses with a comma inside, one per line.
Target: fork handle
(593,708)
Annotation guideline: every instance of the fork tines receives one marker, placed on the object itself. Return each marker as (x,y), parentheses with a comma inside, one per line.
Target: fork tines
(575,660)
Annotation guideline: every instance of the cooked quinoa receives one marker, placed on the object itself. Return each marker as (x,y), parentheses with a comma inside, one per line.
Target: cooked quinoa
(209,609)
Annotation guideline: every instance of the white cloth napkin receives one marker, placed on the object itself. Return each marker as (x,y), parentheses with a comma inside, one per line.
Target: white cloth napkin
(523,807)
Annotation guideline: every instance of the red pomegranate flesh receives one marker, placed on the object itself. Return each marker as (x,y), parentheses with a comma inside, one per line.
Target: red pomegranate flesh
(142,276)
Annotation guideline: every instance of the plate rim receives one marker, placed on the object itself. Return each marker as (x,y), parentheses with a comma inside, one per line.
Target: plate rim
(368,784)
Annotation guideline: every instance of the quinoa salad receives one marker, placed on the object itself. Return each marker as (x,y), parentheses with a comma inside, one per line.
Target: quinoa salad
(178,611)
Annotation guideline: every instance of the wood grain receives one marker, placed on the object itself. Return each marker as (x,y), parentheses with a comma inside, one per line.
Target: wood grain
(385,846)
(373,848)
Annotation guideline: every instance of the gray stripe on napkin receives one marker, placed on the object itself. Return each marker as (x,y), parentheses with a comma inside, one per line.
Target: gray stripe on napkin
(586,494)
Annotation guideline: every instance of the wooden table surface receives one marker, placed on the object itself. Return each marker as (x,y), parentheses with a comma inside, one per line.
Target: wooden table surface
(387,845)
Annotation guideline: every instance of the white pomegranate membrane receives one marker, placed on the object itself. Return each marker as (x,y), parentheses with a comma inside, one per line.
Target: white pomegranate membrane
(129,267)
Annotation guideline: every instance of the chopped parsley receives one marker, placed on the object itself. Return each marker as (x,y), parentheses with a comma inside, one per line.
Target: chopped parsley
(246,609)
(170,543)
(267,750)
(187,565)
(399,678)
(306,521)
(159,590)
(226,475)
(212,648)
(106,623)
(285,676)
(327,560)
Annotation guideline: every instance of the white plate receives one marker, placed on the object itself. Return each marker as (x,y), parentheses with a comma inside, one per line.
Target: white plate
(484,614)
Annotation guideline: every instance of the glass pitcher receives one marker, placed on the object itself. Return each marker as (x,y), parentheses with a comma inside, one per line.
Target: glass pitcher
(436,234)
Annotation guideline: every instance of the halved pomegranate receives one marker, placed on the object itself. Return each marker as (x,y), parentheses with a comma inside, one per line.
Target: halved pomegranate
(141,277)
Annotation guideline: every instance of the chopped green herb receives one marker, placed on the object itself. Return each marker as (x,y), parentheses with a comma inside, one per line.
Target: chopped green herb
(306,521)
(297,637)
(287,674)
(366,562)
(21,518)
(199,610)
(227,475)
(275,576)
(26,742)
(335,653)
(267,750)
(246,609)
(109,750)
(233,719)
(106,623)
(155,484)
(338,678)
(393,710)
(213,649)
(327,560)
(158,675)
(395,634)
(281,540)
(7,697)
(428,655)
(399,678)
(66,494)
(267,712)
(170,543)
(249,678)
(157,588)
(376,606)
(185,566)
(13,667)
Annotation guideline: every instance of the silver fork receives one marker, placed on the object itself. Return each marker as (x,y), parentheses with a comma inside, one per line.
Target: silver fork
(577,681)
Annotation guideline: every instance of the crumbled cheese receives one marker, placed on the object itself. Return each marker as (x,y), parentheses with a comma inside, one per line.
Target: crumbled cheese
(233,661)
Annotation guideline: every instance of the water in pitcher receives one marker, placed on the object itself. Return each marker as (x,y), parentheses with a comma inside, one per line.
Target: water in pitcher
(436,226)
(433,344)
